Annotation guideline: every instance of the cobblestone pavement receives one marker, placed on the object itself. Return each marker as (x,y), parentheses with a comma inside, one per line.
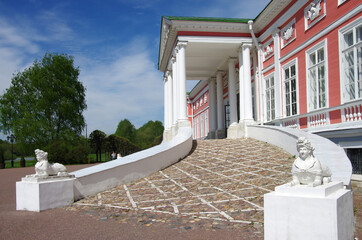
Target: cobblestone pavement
(219,185)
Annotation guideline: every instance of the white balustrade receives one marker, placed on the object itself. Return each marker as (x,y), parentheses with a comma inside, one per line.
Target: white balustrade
(352,113)
(291,123)
(318,119)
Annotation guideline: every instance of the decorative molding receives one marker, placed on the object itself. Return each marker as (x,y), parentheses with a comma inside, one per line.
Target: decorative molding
(288,33)
(268,49)
(320,34)
(341,1)
(314,12)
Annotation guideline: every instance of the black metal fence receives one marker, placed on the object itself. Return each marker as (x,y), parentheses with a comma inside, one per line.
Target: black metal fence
(355,155)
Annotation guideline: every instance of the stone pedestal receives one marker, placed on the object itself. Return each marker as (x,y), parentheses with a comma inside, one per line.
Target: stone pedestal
(37,194)
(232,131)
(220,134)
(309,213)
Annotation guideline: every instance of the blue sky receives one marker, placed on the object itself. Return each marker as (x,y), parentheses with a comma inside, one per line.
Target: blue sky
(114,42)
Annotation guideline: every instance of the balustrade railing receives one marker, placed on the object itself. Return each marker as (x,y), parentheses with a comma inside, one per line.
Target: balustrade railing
(350,112)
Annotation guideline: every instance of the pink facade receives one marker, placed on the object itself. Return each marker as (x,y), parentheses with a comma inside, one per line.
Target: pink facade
(297,65)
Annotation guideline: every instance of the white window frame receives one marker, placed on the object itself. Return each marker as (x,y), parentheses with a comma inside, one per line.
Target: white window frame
(206,122)
(352,26)
(202,125)
(314,49)
(268,77)
(286,66)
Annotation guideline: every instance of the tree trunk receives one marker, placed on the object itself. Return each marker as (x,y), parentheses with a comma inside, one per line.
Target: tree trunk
(22,161)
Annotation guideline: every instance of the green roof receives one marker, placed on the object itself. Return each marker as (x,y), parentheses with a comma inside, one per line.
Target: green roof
(210,19)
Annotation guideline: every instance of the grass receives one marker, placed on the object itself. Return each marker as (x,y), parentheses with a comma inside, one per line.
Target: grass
(30,163)
(92,159)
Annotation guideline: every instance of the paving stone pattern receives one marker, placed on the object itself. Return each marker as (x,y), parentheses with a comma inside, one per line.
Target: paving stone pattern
(219,185)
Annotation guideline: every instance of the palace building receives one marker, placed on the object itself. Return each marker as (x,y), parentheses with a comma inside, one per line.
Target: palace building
(298,64)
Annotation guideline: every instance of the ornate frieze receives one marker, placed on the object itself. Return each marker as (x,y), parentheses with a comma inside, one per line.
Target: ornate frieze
(268,49)
(314,12)
(288,33)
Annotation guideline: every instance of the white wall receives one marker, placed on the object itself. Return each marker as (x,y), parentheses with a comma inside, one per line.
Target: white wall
(138,165)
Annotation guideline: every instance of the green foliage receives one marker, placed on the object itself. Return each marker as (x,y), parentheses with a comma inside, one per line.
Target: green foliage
(126,130)
(120,145)
(64,152)
(44,102)
(97,140)
(146,134)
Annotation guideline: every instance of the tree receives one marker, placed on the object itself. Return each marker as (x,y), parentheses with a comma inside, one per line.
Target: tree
(44,102)
(126,130)
(97,140)
(146,134)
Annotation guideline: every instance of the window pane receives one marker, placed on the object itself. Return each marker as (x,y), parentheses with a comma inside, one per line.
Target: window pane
(312,59)
(287,99)
(292,70)
(359,34)
(320,55)
(272,82)
(287,73)
(348,39)
(292,82)
(294,108)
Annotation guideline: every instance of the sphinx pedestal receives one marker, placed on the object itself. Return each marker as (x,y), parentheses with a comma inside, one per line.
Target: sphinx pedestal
(37,194)
(309,213)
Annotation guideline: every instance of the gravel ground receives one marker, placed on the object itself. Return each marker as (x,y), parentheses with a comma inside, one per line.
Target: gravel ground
(214,193)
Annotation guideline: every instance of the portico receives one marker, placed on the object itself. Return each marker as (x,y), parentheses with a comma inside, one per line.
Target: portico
(189,51)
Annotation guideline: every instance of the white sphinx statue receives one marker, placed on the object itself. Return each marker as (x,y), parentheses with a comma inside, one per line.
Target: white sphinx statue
(307,169)
(43,168)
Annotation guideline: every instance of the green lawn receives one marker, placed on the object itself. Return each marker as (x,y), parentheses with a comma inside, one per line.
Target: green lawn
(92,159)
(30,163)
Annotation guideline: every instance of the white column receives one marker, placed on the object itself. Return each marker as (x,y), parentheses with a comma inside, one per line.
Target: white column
(248,105)
(212,105)
(165,103)
(181,73)
(277,83)
(232,92)
(174,92)
(241,85)
(170,100)
(220,102)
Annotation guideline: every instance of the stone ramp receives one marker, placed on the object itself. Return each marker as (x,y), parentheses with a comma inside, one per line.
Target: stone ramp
(220,182)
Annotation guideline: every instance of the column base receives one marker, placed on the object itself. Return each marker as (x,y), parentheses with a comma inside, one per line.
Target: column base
(232,131)
(300,212)
(242,130)
(220,134)
(173,130)
(211,135)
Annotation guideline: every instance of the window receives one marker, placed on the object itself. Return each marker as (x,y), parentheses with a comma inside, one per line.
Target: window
(206,122)
(290,89)
(202,125)
(351,62)
(270,98)
(317,76)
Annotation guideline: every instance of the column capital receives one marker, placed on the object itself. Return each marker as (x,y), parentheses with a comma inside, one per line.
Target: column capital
(212,79)
(232,59)
(275,31)
(173,59)
(220,72)
(168,73)
(180,45)
(246,45)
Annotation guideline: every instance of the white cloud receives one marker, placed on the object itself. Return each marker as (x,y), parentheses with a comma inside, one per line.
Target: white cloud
(128,87)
